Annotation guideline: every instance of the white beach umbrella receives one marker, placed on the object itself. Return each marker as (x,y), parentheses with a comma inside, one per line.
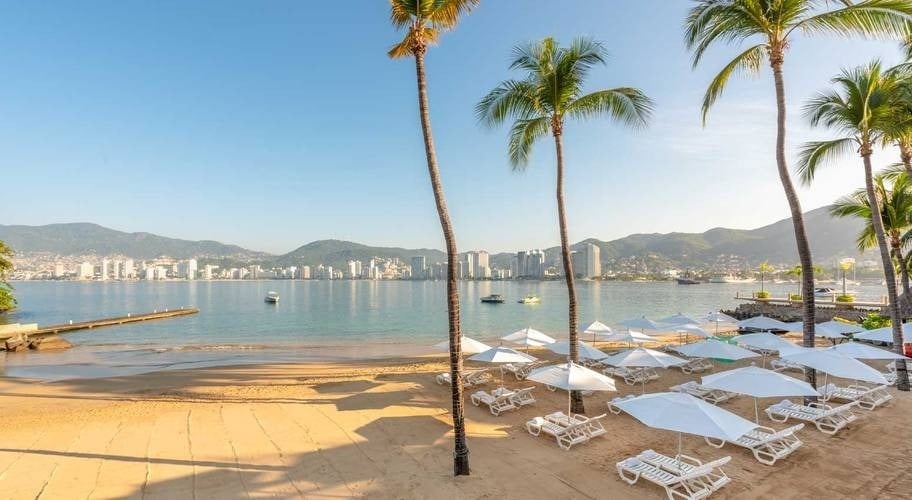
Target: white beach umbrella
(765,341)
(628,336)
(572,377)
(795,326)
(643,323)
(763,323)
(718,317)
(759,383)
(683,413)
(829,331)
(884,334)
(680,319)
(841,327)
(469,346)
(585,350)
(501,355)
(641,357)
(692,329)
(528,337)
(717,349)
(597,329)
(832,362)
(860,350)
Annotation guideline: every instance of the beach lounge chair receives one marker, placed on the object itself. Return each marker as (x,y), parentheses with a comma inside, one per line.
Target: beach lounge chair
(470,379)
(780,365)
(768,445)
(689,486)
(566,437)
(497,404)
(632,376)
(867,398)
(682,464)
(696,365)
(584,393)
(611,404)
(523,397)
(827,419)
(712,396)
(593,426)
(521,370)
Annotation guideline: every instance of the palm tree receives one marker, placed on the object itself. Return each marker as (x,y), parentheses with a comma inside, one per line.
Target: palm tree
(7,301)
(549,94)
(423,21)
(771,24)
(765,268)
(859,110)
(896,214)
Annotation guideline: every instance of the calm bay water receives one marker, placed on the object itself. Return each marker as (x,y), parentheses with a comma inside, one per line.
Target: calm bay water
(320,319)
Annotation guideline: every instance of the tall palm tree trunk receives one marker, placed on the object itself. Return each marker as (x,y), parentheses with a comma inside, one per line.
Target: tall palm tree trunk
(902,377)
(905,155)
(801,240)
(901,262)
(461,453)
(576,398)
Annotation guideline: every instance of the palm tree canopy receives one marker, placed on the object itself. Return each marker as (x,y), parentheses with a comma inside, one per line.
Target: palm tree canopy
(425,20)
(551,90)
(859,109)
(895,208)
(767,25)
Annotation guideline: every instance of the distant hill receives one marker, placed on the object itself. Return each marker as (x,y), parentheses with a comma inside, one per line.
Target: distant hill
(337,253)
(829,238)
(85,238)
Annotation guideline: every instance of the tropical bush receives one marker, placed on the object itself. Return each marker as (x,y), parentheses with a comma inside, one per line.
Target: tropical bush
(875,320)
(762,295)
(794,296)
(845,298)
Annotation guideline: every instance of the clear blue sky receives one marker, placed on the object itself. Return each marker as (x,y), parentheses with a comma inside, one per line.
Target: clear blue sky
(271,124)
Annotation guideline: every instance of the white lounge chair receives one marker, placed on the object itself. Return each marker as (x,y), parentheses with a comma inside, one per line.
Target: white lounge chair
(593,425)
(781,365)
(683,464)
(696,365)
(584,393)
(566,437)
(612,404)
(713,396)
(867,398)
(632,376)
(768,445)
(470,379)
(827,419)
(523,397)
(521,370)
(689,486)
(497,404)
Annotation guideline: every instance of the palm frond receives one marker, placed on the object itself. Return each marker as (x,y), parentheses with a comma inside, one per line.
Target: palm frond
(445,14)
(815,155)
(723,21)
(748,62)
(511,99)
(626,105)
(866,18)
(523,136)
(403,12)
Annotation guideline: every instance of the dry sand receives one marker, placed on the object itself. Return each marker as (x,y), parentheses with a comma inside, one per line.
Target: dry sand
(379,430)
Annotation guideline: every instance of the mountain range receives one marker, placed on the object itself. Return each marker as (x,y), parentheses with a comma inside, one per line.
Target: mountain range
(829,237)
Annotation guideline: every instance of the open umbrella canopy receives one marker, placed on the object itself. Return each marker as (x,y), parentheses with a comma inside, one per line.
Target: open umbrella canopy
(691,329)
(501,354)
(764,323)
(713,348)
(628,336)
(684,413)
(834,363)
(469,346)
(643,323)
(643,358)
(759,383)
(680,319)
(572,377)
(718,317)
(585,350)
(829,331)
(597,328)
(795,326)
(884,334)
(528,336)
(859,350)
(841,327)
(766,341)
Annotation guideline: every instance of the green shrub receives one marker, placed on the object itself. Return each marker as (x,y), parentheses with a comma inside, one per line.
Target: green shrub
(875,320)
(762,295)
(845,298)
(794,296)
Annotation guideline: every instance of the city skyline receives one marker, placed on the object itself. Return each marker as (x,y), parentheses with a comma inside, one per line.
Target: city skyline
(222,124)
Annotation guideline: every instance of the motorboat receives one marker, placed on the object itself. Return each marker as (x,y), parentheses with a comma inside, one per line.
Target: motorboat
(494,298)
(825,292)
(272,298)
(688,281)
(730,279)
(529,299)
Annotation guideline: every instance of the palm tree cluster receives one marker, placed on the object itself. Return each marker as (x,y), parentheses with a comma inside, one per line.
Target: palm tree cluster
(551,93)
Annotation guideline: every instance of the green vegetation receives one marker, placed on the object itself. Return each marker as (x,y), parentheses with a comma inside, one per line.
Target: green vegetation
(7,300)
(845,298)
(875,320)
(762,294)
(794,296)
(765,268)
(549,94)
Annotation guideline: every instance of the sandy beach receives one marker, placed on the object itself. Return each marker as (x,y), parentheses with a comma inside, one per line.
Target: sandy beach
(378,429)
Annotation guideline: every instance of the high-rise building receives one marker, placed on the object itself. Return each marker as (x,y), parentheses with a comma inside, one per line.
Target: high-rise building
(105,269)
(254,272)
(481,268)
(59,270)
(129,270)
(419,267)
(522,264)
(535,264)
(305,272)
(187,269)
(85,271)
(468,268)
(593,261)
(116,269)
(354,269)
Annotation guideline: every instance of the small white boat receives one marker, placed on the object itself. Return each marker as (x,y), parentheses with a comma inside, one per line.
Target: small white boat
(272,298)
(529,299)
(494,298)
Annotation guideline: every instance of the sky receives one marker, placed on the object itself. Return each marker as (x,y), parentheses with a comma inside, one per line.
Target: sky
(271,124)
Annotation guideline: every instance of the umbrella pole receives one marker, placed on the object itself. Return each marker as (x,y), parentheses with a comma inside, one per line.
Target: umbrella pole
(680,443)
(756,411)
(569,399)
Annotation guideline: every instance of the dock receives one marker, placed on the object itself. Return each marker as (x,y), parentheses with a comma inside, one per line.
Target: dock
(99,323)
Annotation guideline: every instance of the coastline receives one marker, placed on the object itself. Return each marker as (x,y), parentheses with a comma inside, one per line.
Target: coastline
(379,429)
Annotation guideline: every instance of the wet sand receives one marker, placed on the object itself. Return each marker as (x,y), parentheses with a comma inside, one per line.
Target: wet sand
(379,429)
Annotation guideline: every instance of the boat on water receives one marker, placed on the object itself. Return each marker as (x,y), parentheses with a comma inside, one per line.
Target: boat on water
(494,298)
(730,279)
(688,281)
(272,298)
(829,293)
(529,299)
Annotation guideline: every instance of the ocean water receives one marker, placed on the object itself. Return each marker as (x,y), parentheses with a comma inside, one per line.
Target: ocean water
(320,320)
